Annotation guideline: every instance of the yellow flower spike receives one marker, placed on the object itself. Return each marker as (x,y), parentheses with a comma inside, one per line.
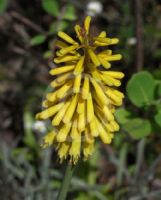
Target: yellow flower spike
(63,133)
(48,140)
(84,98)
(79,67)
(71,109)
(77,83)
(61,70)
(94,58)
(90,109)
(66,37)
(85,88)
(59,116)
(87,24)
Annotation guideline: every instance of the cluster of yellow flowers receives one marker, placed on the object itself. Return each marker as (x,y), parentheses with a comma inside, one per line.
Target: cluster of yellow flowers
(83,102)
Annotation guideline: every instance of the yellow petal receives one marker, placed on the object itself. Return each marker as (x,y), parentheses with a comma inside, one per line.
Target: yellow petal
(114,74)
(66,37)
(81,105)
(108,41)
(105,63)
(93,57)
(115,95)
(102,133)
(82,120)
(113,57)
(77,82)
(71,109)
(115,125)
(102,34)
(78,32)
(87,150)
(63,133)
(108,113)
(88,137)
(87,24)
(49,112)
(62,92)
(93,128)
(90,109)
(99,92)
(63,151)
(59,116)
(68,49)
(60,70)
(66,58)
(79,66)
(75,148)
(85,88)
(48,139)
(51,97)
(60,44)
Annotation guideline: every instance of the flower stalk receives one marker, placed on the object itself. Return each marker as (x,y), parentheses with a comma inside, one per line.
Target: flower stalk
(66,182)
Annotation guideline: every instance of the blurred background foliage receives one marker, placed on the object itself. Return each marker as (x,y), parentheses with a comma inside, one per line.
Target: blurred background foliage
(130,168)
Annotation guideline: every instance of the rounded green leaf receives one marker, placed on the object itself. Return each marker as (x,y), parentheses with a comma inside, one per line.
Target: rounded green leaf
(122,115)
(158,118)
(37,40)
(140,89)
(70,13)
(51,7)
(3,5)
(138,128)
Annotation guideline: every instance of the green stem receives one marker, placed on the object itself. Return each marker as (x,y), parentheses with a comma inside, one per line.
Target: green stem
(66,182)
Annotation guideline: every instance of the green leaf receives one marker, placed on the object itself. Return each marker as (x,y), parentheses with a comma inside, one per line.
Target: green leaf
(37,40)
(140,89)
(122,115)
(3,5)
(138,128)
(158,90)
(157,118)
(58,26)
(70,13)
(47,54)
(51,7)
